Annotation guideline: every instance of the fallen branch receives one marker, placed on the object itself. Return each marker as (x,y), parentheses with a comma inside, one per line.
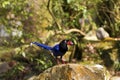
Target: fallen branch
(71,31)
(75,30)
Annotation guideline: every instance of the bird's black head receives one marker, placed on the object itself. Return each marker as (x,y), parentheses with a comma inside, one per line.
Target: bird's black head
(63,45)
(66,42)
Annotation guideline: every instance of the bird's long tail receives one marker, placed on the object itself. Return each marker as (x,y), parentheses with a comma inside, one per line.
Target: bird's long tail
(42,45)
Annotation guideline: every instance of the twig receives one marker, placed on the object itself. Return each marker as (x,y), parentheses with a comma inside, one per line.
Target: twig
(54,18)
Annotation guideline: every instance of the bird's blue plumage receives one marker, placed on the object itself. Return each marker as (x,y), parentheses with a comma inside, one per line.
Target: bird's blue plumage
(55,49)
(42,45)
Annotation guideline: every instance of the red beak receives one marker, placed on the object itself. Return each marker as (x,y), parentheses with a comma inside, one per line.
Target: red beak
(69,43)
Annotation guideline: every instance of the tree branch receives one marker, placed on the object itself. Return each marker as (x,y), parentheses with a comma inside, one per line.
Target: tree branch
(54,18)
(70,31)
(75,30)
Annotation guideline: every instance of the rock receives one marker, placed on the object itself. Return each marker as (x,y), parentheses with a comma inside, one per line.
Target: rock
(4,67)
(115,78)
(91,36)
(73,72)
(101,33)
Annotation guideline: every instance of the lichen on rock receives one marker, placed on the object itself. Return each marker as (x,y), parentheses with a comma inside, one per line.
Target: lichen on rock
(73,72)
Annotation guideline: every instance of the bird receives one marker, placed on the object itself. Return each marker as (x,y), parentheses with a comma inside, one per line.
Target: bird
(58,50)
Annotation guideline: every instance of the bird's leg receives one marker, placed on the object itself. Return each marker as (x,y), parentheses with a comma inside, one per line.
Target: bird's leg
(63,62)
(60,60)
(57,60)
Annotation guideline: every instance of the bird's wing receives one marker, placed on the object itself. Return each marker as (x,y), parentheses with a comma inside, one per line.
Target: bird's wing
(56,51)
(56,47)
(42,45)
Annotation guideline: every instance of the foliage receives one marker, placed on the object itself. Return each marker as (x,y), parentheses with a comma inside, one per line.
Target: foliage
(108,16)
(13,11)
(13,14)
(42,62)
(11,74)
(38,60)
(33,63)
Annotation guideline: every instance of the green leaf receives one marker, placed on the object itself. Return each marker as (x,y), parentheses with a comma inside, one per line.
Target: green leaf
(5,3)
(23,54)
(69,1)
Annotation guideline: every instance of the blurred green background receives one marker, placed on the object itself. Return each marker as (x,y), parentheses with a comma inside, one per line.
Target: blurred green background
(50,21)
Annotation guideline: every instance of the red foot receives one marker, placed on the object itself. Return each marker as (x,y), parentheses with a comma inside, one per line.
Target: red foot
(61,61)
(58,62)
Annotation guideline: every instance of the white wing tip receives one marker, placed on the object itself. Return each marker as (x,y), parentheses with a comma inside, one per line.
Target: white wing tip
(31,44)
